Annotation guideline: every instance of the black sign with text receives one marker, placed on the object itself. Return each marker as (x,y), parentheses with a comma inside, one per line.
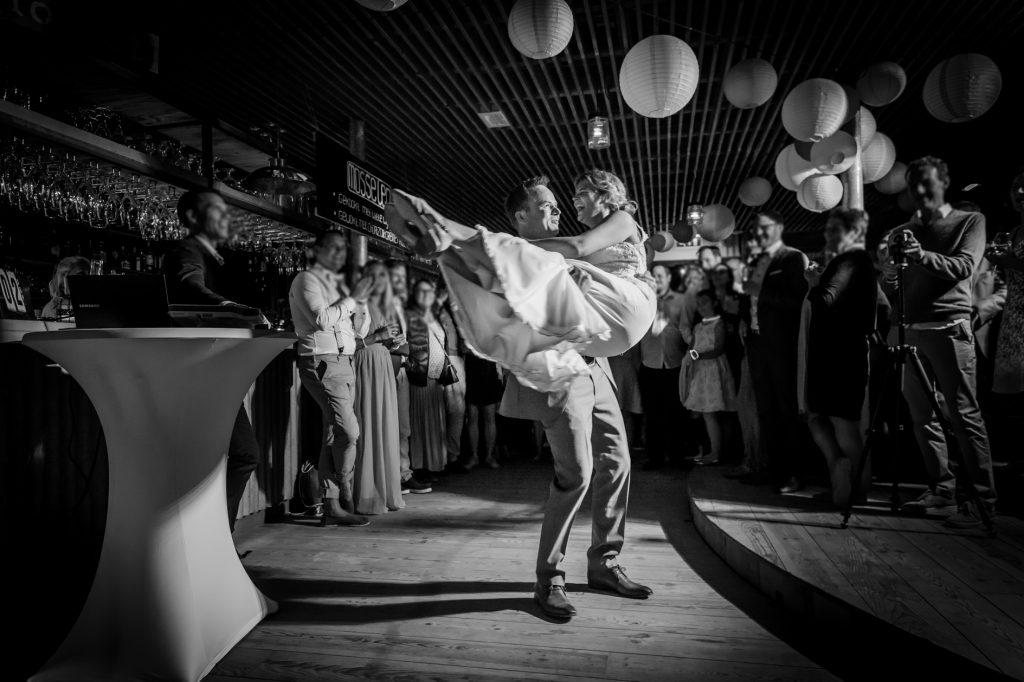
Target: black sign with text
(351,193)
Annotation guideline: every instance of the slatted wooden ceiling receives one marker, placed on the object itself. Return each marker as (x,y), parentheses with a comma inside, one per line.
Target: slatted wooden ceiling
(419,75)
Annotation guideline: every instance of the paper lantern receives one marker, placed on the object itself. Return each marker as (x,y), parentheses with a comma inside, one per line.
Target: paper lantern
(750,83)
(820,193)
(791,170)
(852,102)
(682,231)
(382,5)
(835,154)
(866,127)
(658,76)
(814,109)
(877,158)
(663,241)
(962,88)
(895,181)
(718,224)
(755,191)
(540,28)
(881,83)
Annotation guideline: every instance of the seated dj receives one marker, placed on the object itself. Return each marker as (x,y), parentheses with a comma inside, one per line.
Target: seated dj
(59,307)
(193,268)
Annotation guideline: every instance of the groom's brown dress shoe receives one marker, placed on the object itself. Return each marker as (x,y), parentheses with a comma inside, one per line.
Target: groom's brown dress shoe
(614,579)
(553,601)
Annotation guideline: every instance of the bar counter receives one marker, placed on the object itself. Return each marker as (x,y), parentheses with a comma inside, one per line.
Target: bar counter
(54,467)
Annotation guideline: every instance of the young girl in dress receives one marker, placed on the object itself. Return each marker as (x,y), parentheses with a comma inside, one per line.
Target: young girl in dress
(705,382)
(537,307)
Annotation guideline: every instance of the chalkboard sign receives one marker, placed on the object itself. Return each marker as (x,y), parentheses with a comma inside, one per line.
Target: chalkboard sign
(14,300)
(351,193)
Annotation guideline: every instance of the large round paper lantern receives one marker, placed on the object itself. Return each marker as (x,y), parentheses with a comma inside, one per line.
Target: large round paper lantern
(750,83)
(866,127)
(658,76)
(381,5)
(962,88)
(877,158)
(895,181)
(814,109)
(663,241)
(881,83)
(682,231)
(755,191)
(852,102)
(540,28)
(835,154)
(719,223)
(791,170)
(820,193)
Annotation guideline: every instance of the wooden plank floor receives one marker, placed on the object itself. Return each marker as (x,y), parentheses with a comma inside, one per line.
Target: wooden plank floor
(441,590)
(959,590)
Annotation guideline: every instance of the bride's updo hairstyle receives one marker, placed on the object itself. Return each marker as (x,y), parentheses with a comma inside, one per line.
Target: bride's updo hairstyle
(610,189)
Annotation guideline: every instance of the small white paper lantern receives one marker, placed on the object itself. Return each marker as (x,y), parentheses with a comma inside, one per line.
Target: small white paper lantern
(877,158)
(718,224)
(820,193)
(881,83)
(791,170)
(658,76)
(895,181)
(540,29)
(663,241)
(835,154)
(866,127)
(814,109)
(382,5)
(750,83)
(962,88)
(755,191)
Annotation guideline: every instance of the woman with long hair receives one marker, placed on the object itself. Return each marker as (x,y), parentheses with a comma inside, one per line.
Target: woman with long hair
(536,307)
(427,415)
(378,486)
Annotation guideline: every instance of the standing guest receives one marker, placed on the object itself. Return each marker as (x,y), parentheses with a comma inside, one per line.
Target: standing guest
(625,370)
(708,257)
(428,440)
(735,307)
(328,320)
(59,305)
(777,288)
(454,394)
(706,386)
(942,247)
(1008,375)
(484,386)
(378,486)
(661,355)
(399,285)
(739,272)
(842,303)
(193,271)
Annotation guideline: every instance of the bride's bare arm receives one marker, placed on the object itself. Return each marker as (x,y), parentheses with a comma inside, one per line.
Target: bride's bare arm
(617,227)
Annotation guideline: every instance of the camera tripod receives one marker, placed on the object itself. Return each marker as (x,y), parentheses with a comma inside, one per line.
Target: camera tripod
(895,378)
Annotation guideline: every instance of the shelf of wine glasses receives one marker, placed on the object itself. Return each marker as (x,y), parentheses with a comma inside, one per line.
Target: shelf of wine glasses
(51,167)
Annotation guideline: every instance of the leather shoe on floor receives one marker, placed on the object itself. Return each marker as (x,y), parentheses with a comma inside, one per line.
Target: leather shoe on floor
(614,579)
(553,601)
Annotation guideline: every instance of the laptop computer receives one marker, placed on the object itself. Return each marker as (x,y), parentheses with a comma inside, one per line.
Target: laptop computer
(113,301)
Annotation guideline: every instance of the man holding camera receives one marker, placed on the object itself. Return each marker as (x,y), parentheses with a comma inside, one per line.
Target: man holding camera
(939,249)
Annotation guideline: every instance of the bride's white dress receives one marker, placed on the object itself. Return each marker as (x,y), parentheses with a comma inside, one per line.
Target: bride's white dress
(537,313)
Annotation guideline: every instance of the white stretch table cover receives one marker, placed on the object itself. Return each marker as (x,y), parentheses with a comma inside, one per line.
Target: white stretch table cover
(170,596)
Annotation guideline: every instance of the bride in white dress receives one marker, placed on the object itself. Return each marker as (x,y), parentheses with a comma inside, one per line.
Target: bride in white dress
(536,307)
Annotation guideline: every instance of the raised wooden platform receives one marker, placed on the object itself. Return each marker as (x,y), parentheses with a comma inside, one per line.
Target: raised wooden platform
(441,590)
(959,590)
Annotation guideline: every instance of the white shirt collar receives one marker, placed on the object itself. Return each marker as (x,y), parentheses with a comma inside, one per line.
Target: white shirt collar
(943,212)
(773,248)
(208,245)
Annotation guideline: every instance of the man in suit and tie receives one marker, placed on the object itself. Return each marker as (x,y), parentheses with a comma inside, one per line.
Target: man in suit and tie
(588,440)
(193,269)
(777,288)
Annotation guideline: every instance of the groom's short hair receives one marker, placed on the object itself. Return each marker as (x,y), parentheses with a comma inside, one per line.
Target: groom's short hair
(519,196)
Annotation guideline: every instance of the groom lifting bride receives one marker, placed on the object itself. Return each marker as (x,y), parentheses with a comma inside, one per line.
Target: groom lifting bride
(551,309)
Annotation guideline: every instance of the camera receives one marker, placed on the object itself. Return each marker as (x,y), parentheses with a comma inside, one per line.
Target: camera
(897,246)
